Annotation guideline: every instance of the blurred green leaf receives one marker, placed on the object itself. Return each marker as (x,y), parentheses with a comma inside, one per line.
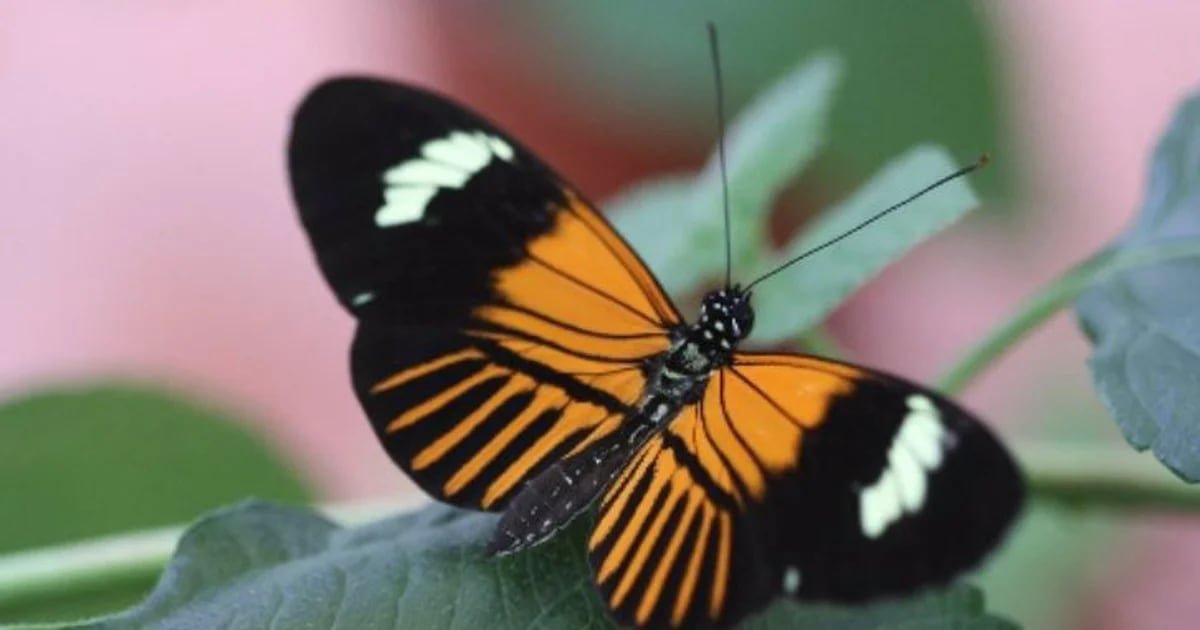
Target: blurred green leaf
(916,72)
(1048,548)
(802,296)
(1052,546)
(107,458)
(676,222)
(1143,321)
(656,218)
(767,145)
(256,564)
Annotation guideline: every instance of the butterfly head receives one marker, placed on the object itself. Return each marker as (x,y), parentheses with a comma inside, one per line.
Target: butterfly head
(726,315)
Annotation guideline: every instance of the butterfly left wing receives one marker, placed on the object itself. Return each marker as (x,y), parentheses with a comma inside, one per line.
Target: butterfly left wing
(799,476)
(502,323)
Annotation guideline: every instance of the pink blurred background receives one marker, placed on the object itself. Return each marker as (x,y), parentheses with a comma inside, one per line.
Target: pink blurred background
(147,229)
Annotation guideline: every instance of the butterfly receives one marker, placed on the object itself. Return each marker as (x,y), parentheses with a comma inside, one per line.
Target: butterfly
(515,355)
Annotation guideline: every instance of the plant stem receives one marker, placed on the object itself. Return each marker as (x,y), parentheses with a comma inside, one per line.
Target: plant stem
(1055,296)
(53,573)
(1108,477)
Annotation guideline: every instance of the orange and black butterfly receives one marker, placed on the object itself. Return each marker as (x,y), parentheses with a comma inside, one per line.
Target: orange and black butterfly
(515,355)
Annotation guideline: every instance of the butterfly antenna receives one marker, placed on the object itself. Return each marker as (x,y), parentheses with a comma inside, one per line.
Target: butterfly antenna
(715,49)
(978,164)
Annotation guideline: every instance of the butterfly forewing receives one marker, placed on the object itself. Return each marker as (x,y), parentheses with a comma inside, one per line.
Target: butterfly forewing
(502,323)
(803,477)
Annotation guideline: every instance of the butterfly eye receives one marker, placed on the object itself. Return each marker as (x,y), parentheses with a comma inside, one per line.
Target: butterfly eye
(744,316)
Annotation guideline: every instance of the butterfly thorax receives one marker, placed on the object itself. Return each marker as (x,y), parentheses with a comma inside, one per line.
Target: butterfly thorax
(725,320)
(681,373)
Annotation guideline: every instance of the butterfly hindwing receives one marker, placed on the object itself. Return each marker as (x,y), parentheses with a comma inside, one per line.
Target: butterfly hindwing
(799,476)
(501,321)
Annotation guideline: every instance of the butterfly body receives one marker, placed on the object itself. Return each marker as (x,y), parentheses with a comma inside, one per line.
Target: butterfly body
(514,355)
(674,379)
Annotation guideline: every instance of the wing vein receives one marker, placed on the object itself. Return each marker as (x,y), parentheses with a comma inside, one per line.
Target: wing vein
(650,291)
(767,397)
(597,291)
(733,429)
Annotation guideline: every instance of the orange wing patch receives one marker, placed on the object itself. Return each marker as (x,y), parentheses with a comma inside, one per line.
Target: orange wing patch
(582,280)
(448,442)
(669,510)
(792,387)
(584,313)
(682,493)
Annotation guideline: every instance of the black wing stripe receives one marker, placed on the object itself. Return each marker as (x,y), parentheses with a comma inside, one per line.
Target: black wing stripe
(616,532)
(515,387)
(688,575)
(648,532)
(430,407)
(697,471)
(583,375)
(727,419)
(430,367)
(579,329)
(651,581)
(544,399)
(538,447)
(702,423)
(498,332)
(576,389)
(634,471)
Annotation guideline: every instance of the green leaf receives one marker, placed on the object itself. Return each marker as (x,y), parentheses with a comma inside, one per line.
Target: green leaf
(1142,321)
(106,458)
(802,296)
(257,564)
(676,255)
(959,607)
(767,145)
(676,222)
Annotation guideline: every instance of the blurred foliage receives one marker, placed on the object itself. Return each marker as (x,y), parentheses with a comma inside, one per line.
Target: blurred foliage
(1053,549)
(1050,552)
(427,569)
(770,142)
(917,72)
(1143,321)
(107,458)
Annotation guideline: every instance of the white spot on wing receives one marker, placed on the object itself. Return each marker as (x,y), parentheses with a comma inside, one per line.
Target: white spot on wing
(425,173)
(909,477)
(500,148)
(403,205)
(916,451)
(791,580)
(879,505)
(362,298)
(448,162)
(466,151)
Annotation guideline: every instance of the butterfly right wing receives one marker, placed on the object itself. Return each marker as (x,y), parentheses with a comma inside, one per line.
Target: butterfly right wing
(502,323)
(804,477)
